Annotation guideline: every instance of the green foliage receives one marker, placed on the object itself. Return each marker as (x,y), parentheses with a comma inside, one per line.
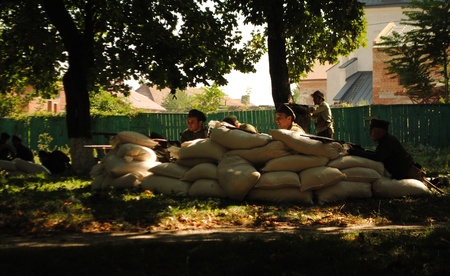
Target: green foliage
(105,103)
(180,102)
(13,104)
(422,52)
(209,101)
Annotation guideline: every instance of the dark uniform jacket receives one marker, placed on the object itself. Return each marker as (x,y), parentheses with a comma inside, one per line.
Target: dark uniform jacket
(391,153)
(188,135)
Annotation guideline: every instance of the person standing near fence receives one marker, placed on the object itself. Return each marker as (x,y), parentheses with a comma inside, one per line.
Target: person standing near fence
(321,113)
(196,126)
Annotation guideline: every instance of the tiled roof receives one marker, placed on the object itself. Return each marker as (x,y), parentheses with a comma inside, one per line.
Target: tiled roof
(357,89)
(158,96)
(143,102)
(369,3)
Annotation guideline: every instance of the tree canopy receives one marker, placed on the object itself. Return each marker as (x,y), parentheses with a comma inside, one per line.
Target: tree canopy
(422,52)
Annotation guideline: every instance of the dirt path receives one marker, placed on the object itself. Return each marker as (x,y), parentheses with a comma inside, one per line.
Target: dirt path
(216,234)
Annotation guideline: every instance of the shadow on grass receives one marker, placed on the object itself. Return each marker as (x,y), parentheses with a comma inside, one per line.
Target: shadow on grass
(423,252)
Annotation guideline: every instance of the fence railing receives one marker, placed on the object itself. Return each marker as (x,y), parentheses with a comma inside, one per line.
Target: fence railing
(412,124)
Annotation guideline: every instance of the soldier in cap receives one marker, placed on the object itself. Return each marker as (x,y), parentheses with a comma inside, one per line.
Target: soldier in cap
(22,151)
(231,120)
(397,161)
(7,152)
(196,126)
(285,118)
(321,113)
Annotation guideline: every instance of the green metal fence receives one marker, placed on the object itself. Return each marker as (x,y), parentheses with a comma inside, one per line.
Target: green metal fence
(412,124)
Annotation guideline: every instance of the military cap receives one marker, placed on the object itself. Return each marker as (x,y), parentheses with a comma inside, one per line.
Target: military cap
(198,114)
(286,109)
(379,124)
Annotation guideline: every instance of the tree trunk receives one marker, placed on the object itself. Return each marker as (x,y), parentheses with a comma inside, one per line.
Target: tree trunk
(279,76)
(79,46)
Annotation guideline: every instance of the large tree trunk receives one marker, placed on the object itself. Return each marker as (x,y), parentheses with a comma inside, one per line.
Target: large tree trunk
(79,46)
(281,92)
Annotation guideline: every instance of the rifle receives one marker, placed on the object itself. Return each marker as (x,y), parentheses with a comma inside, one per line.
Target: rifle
(432,186)
(329,140)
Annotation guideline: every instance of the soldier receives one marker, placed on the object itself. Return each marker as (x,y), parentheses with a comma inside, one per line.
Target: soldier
(22,151)
(321,113)
(7,152)
(196,126)
(397,161)
(285,118)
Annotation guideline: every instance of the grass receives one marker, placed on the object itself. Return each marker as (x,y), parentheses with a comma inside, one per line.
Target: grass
(37,207)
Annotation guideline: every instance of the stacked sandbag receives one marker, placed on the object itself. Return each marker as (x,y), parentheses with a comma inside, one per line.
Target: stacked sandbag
(165,178)
(127,163)
(204,181)
(20,166)
(280,167)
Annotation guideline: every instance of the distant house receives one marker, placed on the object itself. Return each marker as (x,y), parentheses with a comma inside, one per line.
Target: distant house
(361,78)
(58,104)
(158,96)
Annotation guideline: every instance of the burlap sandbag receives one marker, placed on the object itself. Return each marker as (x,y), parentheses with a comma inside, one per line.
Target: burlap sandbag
(305,145)
(132,152)
(261,155)
(238,139)
(207,188)
(319,178)
(278,180)
(8,166)
(201,171)
(361,174)
(350,161)
(169,169)
(165,185)
(344,190)
(127,181)
(118,166)
(30,167)
(387,187)
(281,195)
(132,137)
(236,176)
(294,163)
(98,169)
(97,182)
(201,148)
(192,162)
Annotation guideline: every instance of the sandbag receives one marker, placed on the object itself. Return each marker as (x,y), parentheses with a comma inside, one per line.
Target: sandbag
(278,180)
(238,139)
(281,195)
(192,162)
(169,169)
(30,167)
(261,155)
(9,166)
(117,166)
(98,169)
(319,178)
(201,148)
(201,171)
(236,176)
(305,145)
(387,187)
(294,163)
(207,188)
(344,190)
(165,185)
(132,137)
(97,182)
(127,181)
(132,152)
(361,174)
(350,161)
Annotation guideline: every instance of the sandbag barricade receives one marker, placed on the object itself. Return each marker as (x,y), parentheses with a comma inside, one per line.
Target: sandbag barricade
(281,167)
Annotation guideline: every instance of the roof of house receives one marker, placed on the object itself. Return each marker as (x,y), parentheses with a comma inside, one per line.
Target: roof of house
(357,89)
(370,3)
(142,102)
(158,96)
